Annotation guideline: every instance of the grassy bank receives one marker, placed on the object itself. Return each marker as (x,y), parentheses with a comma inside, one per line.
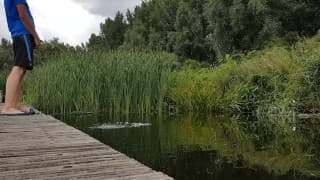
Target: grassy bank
(275,80)
(115,82)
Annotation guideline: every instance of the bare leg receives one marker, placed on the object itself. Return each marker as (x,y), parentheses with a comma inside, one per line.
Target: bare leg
(17,95)
(13,90)
(21,107)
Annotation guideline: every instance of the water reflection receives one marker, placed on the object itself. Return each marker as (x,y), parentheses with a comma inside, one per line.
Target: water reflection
(213,147)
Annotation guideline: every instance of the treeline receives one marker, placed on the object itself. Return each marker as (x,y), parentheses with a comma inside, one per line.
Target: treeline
(206,30)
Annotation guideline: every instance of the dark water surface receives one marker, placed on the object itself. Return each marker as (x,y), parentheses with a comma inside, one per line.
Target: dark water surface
(212,147)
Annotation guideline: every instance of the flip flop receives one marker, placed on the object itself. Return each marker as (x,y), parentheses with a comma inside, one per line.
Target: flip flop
(19,114)
(32,111)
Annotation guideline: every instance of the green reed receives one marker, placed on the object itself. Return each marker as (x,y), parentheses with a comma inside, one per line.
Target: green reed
(115,82)
(3,79)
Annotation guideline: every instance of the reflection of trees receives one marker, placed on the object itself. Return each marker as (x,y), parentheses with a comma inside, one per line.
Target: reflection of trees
(270,143)
(310,130)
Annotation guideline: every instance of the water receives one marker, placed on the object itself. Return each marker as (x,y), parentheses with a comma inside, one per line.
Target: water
(213,147)
(119,125)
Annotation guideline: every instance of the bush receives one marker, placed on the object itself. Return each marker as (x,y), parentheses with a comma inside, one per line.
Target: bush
(261,81)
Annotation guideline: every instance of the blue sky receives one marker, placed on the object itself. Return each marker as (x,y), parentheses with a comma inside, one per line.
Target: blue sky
(72,21)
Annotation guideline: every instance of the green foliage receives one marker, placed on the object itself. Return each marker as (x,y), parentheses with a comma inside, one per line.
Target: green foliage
(206,30)
(115,82)
(151,25)
(3,78)
(112,33)
(284,76)
(42,54)
(6,54)
(209,29)
(52,48)
(271,143)
(190,31)
(273,80)
(304,78)
(47,51)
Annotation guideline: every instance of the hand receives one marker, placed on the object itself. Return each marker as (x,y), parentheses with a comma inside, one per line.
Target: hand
(37,41)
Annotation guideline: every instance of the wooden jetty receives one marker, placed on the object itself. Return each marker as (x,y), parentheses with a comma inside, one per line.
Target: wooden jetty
(42,147)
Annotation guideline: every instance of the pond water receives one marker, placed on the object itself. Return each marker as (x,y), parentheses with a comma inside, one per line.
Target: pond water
(198,147)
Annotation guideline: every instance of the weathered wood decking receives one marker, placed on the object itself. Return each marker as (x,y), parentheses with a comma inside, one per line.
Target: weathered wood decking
(41,147)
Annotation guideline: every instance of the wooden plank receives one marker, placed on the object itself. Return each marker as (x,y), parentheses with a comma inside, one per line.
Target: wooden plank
(42,147)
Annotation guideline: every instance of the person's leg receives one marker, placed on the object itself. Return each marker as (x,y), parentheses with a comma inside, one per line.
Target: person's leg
(13,90)
(19,106)
(23,60)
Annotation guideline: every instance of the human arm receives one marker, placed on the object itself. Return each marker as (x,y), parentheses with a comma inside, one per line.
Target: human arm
(27,22)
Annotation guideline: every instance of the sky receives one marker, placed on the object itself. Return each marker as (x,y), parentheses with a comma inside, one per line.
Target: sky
(72,21)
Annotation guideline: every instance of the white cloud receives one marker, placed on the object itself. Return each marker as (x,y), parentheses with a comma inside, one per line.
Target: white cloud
(72,21)
(64,19)
(4,33)
(108,7)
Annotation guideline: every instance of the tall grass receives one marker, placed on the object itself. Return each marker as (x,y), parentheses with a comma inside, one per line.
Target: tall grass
(3,79)
(237,86)
(274,80)
(304,81)
(115,82)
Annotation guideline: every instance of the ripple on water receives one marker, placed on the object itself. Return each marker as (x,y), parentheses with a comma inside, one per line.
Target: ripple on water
(120,125)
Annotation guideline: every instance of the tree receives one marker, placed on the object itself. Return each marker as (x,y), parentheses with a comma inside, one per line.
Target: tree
(96,42)
(112,33)
(190,36)
(207,30)
(135,37)
(152,24)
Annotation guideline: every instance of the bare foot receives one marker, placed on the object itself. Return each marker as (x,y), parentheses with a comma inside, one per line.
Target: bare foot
(25,109)
(11,111)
